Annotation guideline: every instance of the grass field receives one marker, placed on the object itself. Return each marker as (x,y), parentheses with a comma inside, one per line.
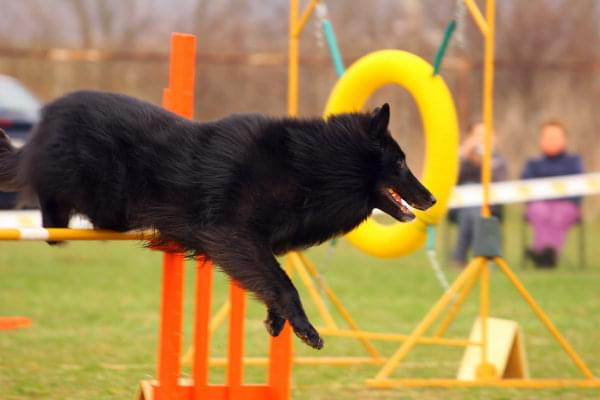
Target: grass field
(95,309)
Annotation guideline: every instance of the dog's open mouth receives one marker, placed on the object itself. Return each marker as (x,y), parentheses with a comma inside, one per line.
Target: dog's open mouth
(399,202)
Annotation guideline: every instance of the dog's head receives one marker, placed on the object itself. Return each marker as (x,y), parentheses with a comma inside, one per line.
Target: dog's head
(396,188)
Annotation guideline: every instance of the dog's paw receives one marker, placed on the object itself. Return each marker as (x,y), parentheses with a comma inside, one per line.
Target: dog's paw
(309,336)
(274,324)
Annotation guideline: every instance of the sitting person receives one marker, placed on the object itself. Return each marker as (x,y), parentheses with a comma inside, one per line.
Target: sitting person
(551,219)
(471,152)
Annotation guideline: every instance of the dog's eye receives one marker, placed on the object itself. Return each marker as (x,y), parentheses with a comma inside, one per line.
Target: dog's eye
(401,164)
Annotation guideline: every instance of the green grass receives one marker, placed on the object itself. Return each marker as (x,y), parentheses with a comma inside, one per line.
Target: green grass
(95,310)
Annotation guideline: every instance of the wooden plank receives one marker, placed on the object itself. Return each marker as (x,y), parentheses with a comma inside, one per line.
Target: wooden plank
(506,350)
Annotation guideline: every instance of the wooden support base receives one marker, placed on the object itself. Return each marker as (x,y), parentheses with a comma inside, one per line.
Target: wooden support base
(507,354)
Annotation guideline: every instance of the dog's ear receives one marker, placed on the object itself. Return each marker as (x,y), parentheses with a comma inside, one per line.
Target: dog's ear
(380,118)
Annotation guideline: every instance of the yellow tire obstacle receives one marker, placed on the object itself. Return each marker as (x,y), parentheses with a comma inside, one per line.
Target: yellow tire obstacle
(438,116)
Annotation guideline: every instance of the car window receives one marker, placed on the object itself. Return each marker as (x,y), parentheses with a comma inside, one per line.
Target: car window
(14,97)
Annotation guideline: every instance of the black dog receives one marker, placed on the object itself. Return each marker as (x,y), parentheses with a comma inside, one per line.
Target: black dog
(239,190)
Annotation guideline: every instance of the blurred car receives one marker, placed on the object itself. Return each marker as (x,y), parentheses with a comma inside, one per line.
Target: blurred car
(19,112)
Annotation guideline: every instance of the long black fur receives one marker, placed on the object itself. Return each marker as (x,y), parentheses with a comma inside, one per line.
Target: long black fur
(239,189)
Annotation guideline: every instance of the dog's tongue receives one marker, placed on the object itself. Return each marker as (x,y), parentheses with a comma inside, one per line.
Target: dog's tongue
(399,201)
(395,196)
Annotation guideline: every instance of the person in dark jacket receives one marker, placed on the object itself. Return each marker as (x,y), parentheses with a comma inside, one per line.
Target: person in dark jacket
(551,219)
(471,152)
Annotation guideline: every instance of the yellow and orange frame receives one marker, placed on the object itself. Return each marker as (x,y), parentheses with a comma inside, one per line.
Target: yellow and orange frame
(476,271)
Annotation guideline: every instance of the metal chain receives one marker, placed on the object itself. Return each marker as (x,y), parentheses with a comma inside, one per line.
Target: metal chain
(433,261)
(459,16)
(437,270)
(321,13)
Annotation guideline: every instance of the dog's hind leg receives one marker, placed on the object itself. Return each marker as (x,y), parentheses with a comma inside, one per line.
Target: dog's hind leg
(54,215)
(252,264)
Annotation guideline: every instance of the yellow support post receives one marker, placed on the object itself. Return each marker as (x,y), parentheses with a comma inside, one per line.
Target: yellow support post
(472,269)
(295,29)
(394,337)
(220,317)
(485,369)
(215,322)
(312,291)
(495,383)
(319,361)
(488,106)
(339,306)
(293,60)
(305,17)
(477,17)
(455,308)
(544,318)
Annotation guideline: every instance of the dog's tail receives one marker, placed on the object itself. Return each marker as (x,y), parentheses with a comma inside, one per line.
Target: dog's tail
(10,158)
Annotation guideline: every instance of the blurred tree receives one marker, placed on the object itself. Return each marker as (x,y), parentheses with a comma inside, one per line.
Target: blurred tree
(547,54)
(113,24)
(538,33)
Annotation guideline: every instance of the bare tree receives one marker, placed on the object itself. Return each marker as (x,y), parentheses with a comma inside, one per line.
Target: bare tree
(112,24)
(84,22)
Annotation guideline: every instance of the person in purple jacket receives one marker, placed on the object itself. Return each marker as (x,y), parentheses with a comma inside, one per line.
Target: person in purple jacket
(551,219)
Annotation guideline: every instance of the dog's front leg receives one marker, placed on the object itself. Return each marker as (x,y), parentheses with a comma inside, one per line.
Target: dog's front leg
(254,267)
(274,322)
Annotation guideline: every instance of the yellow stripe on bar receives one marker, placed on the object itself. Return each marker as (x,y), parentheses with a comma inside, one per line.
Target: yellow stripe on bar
(58,234)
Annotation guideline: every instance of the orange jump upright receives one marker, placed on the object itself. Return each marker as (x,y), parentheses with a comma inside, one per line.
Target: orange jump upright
(179,98)
(280,361)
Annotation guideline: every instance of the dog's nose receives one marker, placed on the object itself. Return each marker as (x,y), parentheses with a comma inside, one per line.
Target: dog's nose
(432,200)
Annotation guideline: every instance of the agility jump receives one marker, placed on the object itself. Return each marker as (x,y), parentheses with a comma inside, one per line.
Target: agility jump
(178,98)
